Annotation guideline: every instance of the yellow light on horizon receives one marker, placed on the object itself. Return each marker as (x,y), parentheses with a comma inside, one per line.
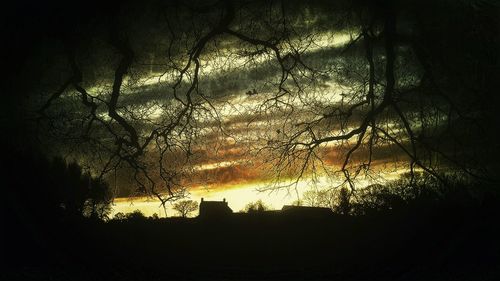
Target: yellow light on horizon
(239,195)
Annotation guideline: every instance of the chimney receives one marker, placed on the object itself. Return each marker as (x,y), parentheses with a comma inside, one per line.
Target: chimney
(201,199)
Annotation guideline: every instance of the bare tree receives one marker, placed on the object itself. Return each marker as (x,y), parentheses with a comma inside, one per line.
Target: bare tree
(152,108)
(318,198)
(185,207)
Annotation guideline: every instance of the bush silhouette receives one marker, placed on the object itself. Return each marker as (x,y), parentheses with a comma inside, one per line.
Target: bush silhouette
(255,207)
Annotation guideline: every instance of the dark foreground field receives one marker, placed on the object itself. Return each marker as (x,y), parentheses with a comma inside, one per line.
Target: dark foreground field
(440,242)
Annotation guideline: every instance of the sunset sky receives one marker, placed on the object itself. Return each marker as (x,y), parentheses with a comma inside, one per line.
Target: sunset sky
(351,139)
(231,158)
(255,110)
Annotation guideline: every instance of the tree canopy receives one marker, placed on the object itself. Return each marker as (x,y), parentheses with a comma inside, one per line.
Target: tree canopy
(324,88)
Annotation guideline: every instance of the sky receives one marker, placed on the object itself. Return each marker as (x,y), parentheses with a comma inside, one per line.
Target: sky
(241,133)
(242,117)
(229,160)
(239,195)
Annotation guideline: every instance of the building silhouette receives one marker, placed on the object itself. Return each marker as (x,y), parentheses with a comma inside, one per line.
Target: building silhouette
(214,209)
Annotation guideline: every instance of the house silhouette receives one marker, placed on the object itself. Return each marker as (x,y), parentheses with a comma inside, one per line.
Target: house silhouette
(214,209)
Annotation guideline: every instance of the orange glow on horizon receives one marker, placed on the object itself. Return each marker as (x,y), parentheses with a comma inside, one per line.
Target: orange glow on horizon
(240,194)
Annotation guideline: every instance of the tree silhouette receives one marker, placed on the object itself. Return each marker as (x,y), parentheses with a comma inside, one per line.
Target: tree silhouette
(155,97)
(99,198)
(136,215)
(394,96)
(256,207)
(119,216)
(343,202)
(55,189)
(185,207)
(318,198)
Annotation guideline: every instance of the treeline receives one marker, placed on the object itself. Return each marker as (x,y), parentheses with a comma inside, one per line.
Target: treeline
(53,189)
(411,191)
(409,229)
(415,228)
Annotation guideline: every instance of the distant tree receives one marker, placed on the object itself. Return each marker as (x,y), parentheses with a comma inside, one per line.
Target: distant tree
(70,185)
(136,215)
(185,207)
(318,198)
(417,190)
(77,193)
(119,216)
(342,201)
(99,198)
(257,206)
